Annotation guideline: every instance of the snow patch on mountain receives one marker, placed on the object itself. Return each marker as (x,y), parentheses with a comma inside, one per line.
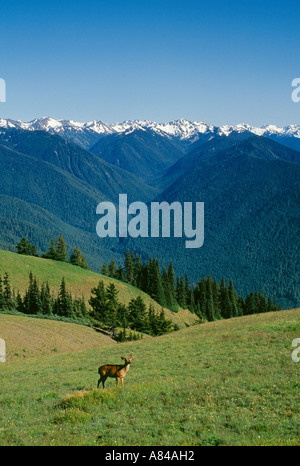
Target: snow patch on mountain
(182,128)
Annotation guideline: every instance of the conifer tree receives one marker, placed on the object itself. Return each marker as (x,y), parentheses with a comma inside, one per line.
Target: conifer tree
(225,307)
(1,294)
(112,269)
(51,253)
(171,275)
(157,290)
(153,321)
(187,290)
(112,304)
(104,270)
(139,270)
(164,325)
(61,249)
(32,299)
(8,299)
(120,275)
(79,308)
(46,299)
(167,287)
(249,307)
(232,295)
(138,315)
(129,267)
(19,303)
(180,292)
(78,259)
(210,312)
(64,304)
(98,302)
(24,247)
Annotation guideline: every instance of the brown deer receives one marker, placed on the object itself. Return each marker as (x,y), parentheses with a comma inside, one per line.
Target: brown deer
(117,371)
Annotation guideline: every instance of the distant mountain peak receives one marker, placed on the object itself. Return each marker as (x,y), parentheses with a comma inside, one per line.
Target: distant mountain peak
(87,133)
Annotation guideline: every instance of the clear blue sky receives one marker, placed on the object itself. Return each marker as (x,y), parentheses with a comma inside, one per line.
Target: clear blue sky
(216,61)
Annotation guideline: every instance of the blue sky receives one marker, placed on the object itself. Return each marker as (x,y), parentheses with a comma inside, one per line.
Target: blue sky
(223,62)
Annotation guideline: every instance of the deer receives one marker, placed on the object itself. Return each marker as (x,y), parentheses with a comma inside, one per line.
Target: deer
(117,371)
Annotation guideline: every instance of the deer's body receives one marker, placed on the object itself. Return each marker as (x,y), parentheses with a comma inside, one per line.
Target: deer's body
(116,371)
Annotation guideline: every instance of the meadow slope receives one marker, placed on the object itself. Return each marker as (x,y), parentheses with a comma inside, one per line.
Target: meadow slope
(79,282)
(28,337)
(230,382)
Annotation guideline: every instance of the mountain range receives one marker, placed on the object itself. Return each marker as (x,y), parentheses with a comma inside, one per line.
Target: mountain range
(87,134)
(54,173)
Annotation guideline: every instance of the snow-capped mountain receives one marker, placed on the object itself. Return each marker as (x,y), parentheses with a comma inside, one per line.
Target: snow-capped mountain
(87,134)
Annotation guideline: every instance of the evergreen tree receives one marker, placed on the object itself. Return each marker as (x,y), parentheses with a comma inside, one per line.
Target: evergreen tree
(210,300)
(1,294)
(153,321)
(180,292)
(129,267)
(120,275)
(167,287)
(24,247)
(112,269)
(79,308)
(240,305)
(157,289)
(249,307)
(78,259)
(171,275)
(112,304)
(64,304)
(138,315)
(226,309)
(98,302)
(104,270)
(19,303)
(61,249)
(263,303)
(46,299)
(187,290)
(232,296)
(164,325)
(216,298)
(122,317)
(32,300)
(139,270)
(8,299)
(51,253)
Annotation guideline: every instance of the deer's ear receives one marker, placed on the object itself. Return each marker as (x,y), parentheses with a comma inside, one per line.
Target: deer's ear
(122,357)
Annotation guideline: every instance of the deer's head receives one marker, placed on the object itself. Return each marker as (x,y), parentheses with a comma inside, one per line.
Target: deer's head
(127,360)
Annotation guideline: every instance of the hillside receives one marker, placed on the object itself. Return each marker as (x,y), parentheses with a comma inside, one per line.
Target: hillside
(50,185)
(79,281)
(250,190)
(251,194)
(143,153)
(28,337)
(230,382)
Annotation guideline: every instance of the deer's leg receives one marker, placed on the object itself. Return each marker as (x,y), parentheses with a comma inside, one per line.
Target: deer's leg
(99,381)
(103,381)
(122,380)
(117,381)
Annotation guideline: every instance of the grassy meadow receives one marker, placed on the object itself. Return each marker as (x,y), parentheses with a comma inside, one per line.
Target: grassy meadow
(79,282)
(229,382)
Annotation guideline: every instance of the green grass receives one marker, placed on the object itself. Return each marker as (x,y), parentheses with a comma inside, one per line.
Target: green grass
(229,382)
(78,280)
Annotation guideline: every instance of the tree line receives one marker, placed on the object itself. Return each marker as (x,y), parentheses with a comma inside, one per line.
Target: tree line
(208,299)
(106,310)
(56,251)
